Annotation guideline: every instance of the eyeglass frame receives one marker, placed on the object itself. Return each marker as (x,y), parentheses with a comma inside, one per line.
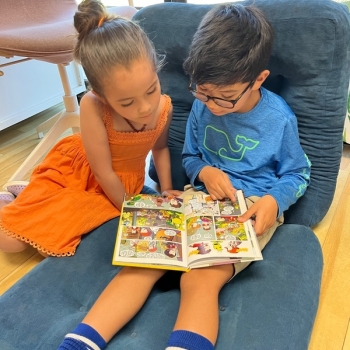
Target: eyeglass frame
(234,102)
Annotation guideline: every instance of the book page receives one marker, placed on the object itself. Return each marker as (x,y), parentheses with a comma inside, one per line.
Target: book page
(213,233)
(151,230)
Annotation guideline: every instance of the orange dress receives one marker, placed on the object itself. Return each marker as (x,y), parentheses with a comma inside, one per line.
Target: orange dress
(63,200)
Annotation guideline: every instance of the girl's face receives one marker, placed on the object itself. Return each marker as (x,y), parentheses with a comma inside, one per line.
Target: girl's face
(134,93)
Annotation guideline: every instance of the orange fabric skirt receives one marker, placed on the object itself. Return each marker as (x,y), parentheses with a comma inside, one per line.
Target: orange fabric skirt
(62,202)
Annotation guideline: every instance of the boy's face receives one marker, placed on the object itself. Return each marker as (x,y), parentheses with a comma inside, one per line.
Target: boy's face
(245,102)
(245,96)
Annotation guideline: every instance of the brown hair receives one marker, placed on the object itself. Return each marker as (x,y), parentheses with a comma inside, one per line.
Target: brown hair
(232,45)
(106,40)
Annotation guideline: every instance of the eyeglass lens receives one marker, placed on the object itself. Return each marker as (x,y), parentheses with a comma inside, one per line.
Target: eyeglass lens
(219,102)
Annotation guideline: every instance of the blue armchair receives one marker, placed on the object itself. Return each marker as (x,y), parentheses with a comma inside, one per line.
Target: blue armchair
(273,303)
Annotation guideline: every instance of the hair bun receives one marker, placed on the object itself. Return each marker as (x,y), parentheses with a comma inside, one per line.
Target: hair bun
(88,16)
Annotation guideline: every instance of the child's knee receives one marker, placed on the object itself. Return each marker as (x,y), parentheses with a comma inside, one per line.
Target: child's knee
(9,244)
(150,276)
(213,277)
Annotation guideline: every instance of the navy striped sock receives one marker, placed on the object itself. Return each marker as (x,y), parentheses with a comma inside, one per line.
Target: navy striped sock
(84,337)
(189,341)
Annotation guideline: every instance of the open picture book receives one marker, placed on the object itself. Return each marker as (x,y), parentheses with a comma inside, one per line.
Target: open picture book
(181,234)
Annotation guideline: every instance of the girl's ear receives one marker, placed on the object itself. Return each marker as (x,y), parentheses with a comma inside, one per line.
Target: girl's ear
(260,79)
(99,97)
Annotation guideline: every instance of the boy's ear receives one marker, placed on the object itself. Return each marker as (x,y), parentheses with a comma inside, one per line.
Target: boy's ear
(260,79)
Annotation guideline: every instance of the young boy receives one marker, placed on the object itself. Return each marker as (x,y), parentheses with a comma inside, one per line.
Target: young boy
(239,136)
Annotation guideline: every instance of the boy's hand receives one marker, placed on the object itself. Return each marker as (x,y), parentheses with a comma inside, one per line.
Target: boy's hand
(170,192)
(217,183)
(264,211)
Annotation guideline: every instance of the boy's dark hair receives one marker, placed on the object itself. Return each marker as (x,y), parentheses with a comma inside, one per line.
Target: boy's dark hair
(232,45)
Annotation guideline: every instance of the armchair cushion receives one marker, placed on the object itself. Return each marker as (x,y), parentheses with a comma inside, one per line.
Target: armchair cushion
(270,305)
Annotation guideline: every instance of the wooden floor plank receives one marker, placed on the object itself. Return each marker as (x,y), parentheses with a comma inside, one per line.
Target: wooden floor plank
(346,345)
(19,272)
(331,324)
(10,262)
(324,226)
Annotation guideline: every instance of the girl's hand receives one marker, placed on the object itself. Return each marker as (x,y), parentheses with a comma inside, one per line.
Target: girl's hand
(171,192)
(264,211)
(217,183)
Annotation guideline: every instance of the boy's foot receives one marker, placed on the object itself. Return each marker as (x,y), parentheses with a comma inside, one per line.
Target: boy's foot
(6,196)
(15,187)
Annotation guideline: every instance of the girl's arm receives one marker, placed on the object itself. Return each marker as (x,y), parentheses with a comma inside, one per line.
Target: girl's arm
(95,142)
(161,159)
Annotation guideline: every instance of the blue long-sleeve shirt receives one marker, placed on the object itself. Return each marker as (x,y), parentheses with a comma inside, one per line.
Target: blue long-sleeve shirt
(259,150)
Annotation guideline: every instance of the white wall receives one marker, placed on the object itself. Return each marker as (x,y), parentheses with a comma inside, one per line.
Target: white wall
(29,87)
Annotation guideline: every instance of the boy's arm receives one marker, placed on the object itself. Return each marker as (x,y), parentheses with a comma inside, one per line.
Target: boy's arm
(161,159)
(293,172)
(203,175)
(191,156)
(96,145)
(286,192)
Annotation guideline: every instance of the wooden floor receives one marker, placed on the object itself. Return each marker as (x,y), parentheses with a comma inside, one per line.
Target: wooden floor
(332,326)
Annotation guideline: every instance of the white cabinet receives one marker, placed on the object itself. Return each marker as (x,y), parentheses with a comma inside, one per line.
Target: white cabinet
(29,87)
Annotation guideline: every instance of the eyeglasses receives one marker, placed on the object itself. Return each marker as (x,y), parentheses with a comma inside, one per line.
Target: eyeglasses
(219,101)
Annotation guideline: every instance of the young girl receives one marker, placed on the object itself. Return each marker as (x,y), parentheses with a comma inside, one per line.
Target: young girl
(82,181)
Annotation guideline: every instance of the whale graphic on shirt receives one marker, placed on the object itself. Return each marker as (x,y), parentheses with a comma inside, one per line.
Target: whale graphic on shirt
(218,142)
